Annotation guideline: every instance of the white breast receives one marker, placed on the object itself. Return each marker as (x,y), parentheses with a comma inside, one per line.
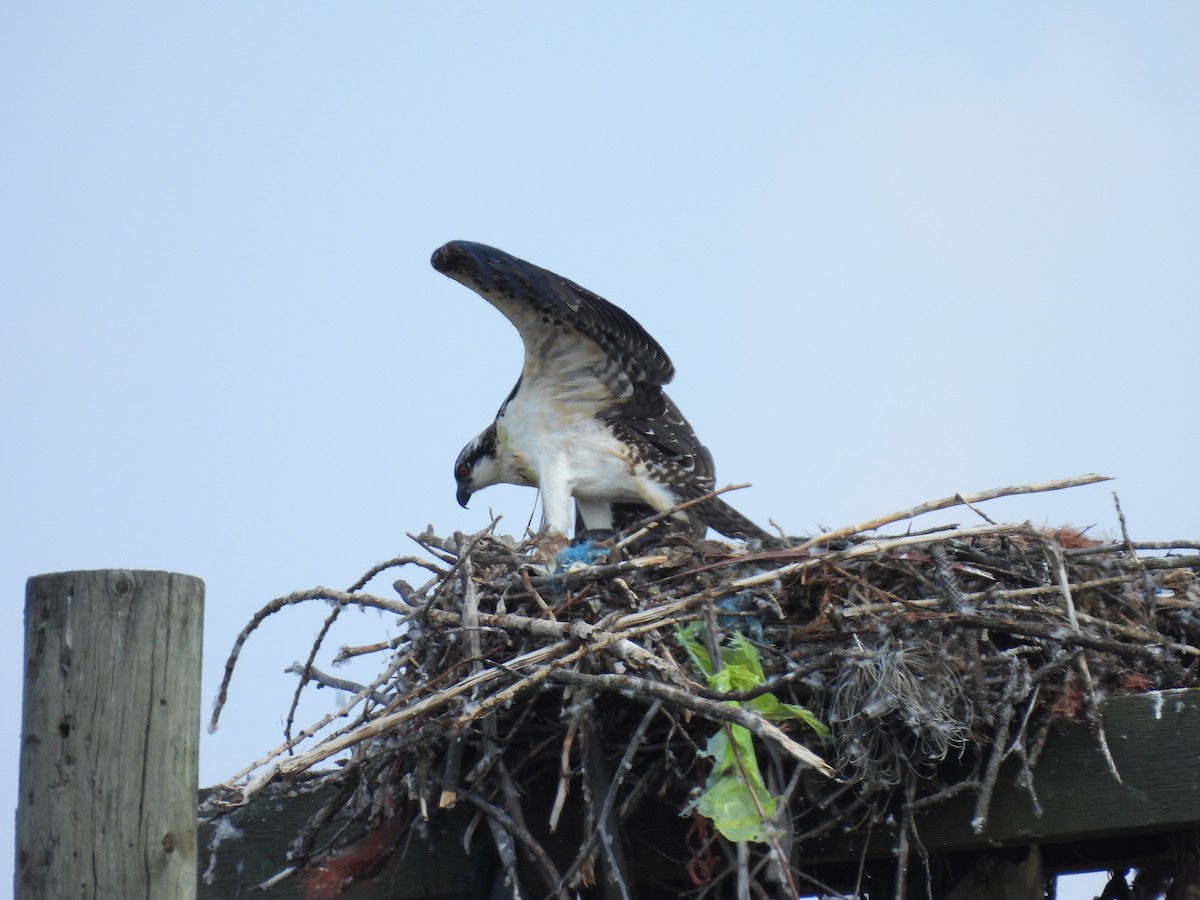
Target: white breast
(568,452)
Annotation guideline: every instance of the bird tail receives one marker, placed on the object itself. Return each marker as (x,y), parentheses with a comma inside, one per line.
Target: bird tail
(720,516)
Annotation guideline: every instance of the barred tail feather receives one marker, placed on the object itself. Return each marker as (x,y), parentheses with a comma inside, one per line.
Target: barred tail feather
(720,516)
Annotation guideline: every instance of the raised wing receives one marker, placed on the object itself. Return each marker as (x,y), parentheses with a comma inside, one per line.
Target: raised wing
(594,356)
(570,333)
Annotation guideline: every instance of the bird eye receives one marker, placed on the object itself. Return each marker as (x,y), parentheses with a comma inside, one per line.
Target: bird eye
(462,470)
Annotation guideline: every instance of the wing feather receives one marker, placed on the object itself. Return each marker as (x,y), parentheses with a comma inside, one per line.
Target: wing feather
(567,330)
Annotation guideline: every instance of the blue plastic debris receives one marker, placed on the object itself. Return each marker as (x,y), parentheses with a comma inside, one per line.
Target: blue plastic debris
(577,556)
(741,602)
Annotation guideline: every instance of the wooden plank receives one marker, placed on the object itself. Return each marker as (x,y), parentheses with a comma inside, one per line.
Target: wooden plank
(255,851)
(1155,740)
(433,865)
(1155,743)
(109,736)
(996,878)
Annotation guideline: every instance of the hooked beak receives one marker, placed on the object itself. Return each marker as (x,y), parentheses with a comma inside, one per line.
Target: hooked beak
(464,495)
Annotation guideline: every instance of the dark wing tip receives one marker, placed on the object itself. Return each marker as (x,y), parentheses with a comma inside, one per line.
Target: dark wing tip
(454,256)
(501,277)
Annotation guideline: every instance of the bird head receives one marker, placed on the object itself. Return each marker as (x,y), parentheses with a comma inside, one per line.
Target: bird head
(477,465)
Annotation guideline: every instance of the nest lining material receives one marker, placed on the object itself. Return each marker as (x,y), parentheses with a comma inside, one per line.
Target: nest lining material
(511,683)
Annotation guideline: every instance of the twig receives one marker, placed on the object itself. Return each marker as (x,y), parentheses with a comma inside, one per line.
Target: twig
(606,811)
(709,709)
(868,548)
(470,602)
(971,506)
(1054,552)
(394,563)
(1147,581)
(309,672)
(307,667)
(596,783)
(988,784)
(1101,549)
(599,573)
(319,593)
(423,542)
(564,780)
(536,851)
(347,653)
(901,881)
(947,503)
(533,592)
(244,794)
(377,726)
(651,522)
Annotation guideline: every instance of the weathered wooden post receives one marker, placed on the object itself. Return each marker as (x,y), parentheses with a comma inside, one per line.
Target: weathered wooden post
(109,736)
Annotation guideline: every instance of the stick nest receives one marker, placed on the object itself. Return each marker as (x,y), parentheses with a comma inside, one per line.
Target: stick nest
(528,696)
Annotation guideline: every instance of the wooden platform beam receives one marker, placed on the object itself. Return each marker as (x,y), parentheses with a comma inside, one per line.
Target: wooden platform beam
(1153,740)
(1089,820)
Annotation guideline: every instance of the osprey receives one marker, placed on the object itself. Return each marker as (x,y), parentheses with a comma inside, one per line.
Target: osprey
(587,418)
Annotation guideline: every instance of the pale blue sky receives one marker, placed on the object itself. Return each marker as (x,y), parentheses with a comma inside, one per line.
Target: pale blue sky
(893,253)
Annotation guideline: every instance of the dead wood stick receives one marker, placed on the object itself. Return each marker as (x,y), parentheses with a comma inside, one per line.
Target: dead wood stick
(1136,634)
(1057,634)
(871,609)
(606,810)
(424,542)
(324,679)
(1141,636)
(991,772)
(867,548)
(596,783)
(1135,545)
(577,629)
(343,598)
(340,713)
(710,709)
(947,503)
(533,592)
(538,853)
(596,573)
(652,521)
(510,693)
(1162,562)
(556,654)
(564,776)
(375,727)
(1054,556)
(659,613)
(464,554)
(470,604)
(393,563)
(543,628)
(345,652)
(1148,586)
(472,650)
(303,680)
